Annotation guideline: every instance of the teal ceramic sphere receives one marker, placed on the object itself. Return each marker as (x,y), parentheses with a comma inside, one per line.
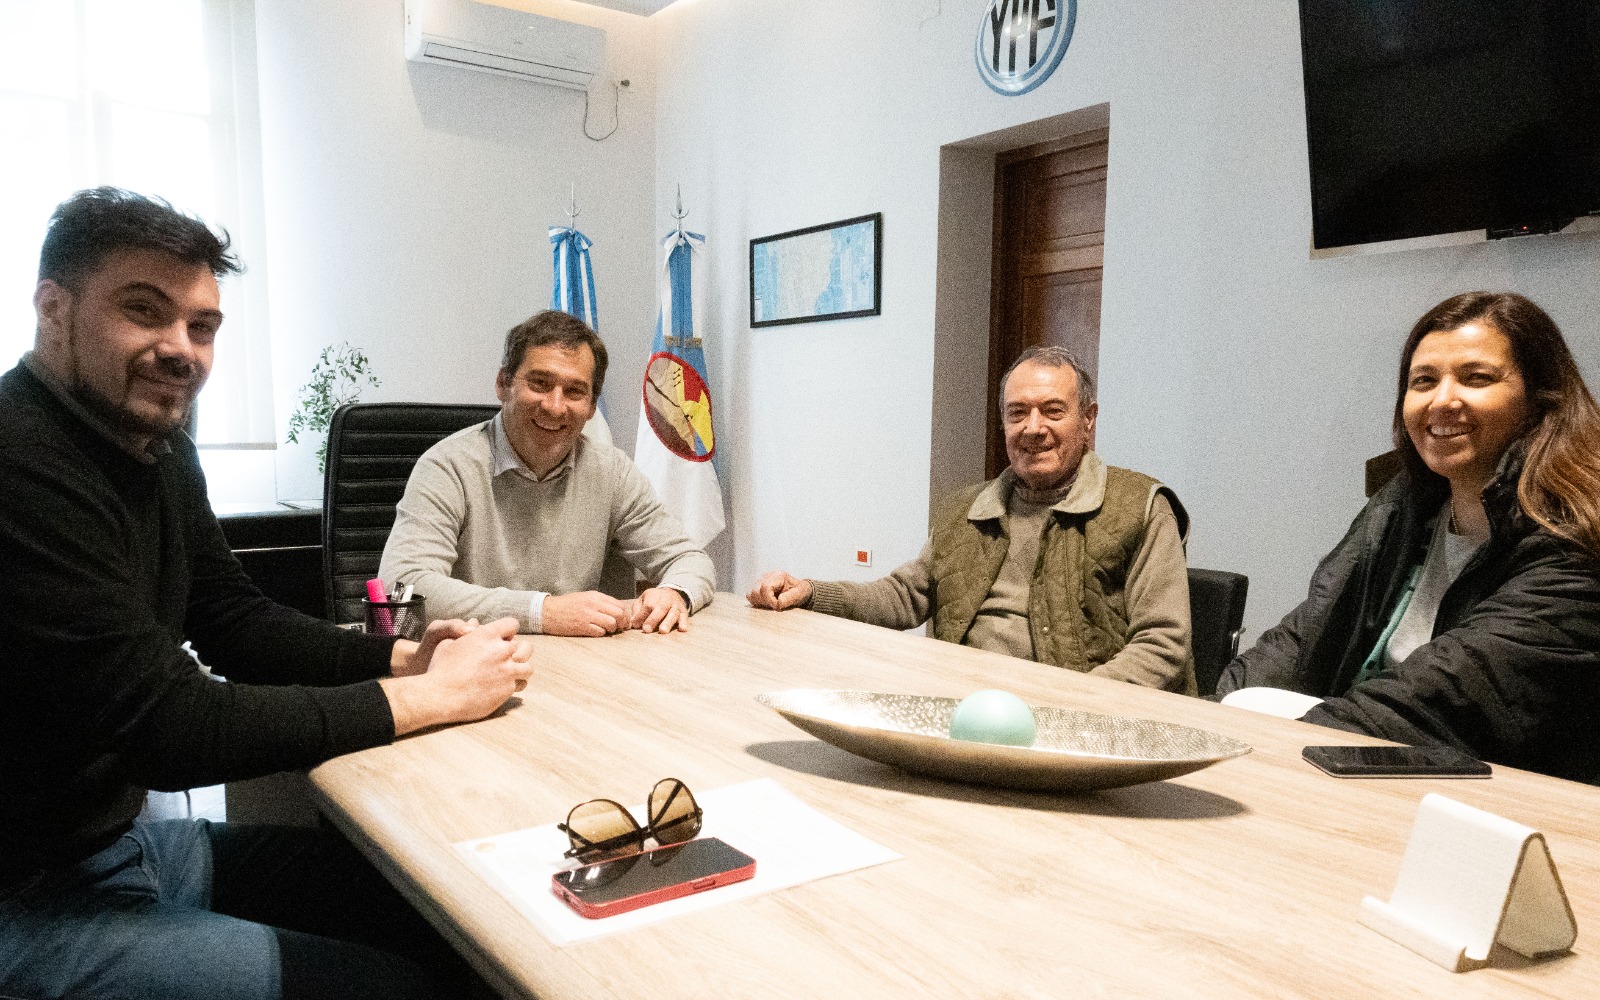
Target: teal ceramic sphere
(993,717)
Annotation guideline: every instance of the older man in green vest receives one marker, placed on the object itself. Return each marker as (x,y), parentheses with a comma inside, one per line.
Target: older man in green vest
(1061,558)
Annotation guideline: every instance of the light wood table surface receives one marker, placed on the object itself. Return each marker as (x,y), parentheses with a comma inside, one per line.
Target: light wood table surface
(1240,880)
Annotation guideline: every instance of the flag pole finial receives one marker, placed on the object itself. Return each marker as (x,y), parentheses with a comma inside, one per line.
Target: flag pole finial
(680,214)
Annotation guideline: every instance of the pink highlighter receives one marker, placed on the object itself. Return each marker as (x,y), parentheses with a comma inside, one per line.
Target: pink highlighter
(382,618)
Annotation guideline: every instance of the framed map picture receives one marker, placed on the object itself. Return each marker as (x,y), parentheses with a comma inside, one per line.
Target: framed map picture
(832,271)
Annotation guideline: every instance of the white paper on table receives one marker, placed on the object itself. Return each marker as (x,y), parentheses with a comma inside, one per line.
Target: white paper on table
(791,842)
(1272,701)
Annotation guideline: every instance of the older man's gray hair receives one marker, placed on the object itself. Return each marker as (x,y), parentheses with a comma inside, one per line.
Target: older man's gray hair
(1052,357)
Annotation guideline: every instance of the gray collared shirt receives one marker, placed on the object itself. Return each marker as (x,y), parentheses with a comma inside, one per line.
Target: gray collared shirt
(482,537)
(506,459)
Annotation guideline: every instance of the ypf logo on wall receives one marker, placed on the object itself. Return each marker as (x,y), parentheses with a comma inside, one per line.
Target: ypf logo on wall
(1021,42)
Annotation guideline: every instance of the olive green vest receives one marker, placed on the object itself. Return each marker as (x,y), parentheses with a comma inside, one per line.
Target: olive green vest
(1077,603)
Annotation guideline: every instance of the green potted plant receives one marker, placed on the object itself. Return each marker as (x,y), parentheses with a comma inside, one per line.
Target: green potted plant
(338,377)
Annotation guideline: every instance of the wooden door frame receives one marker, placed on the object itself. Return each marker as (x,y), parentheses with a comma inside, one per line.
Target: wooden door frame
(1004,343)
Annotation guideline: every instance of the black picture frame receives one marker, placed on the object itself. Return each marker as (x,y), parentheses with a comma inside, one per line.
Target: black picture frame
(763,316)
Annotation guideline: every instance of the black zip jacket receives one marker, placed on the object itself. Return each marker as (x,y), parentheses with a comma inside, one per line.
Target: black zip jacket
(1512,674)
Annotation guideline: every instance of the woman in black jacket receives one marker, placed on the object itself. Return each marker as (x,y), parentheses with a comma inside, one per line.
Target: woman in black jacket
(1463,605)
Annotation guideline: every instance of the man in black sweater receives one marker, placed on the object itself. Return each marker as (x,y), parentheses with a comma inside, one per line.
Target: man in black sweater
(113,559)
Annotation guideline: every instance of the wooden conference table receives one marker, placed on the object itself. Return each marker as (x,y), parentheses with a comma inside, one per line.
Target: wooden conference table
(1241,880)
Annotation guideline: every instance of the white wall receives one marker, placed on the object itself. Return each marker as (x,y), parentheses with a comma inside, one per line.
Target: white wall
(407,205)
(1253,379)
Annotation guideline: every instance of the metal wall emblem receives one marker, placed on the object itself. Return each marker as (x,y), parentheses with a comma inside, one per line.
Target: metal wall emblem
(1021,42)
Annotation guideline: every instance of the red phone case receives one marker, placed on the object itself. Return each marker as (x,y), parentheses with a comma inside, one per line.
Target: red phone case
(689,887)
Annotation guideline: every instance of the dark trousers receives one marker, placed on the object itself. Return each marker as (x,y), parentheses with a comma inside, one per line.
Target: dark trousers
(189,909)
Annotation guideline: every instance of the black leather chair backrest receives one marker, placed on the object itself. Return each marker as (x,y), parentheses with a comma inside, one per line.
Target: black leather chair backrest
(372,448)
(1216,613)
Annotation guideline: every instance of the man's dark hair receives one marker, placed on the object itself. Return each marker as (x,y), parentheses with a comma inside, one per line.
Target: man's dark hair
(93,224)
(553,327)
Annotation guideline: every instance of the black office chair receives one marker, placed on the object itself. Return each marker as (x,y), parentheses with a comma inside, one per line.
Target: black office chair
(1216,613)
(372,448)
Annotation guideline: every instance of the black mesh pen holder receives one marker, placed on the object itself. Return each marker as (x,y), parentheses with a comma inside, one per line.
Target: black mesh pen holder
(406,619)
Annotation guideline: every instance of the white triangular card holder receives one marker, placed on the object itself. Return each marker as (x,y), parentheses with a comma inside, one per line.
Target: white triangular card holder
(1471,878)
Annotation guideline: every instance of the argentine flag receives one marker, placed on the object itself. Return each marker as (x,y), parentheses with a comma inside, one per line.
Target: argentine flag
(572,292)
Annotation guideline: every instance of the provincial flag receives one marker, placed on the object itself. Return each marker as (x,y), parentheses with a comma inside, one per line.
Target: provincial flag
(676,442)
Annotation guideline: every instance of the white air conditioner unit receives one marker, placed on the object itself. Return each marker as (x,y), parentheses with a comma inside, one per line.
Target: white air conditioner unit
(493,39)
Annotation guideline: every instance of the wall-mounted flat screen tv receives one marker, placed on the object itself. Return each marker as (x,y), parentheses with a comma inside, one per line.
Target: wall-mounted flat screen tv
(1426,117)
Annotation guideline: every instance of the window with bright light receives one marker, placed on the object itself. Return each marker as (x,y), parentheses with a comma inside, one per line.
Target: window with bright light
(157,96)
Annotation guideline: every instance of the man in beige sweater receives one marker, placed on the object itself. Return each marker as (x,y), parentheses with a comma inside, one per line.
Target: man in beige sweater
(515,516)
(1061,558)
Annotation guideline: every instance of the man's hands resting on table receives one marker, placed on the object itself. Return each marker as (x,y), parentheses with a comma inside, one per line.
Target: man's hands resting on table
(593,614)
(660,609)
(778,591)
(459,672)
(588,613)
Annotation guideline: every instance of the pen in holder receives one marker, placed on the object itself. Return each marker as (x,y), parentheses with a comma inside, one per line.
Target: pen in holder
(406,619)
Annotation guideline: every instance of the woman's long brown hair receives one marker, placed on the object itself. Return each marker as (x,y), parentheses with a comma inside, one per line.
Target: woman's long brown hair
(1560,483)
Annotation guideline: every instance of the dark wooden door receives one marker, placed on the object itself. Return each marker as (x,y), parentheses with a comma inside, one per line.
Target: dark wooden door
(1049,243)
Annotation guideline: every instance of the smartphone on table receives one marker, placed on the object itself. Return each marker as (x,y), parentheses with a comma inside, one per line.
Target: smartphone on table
(618,885)
(1396,762)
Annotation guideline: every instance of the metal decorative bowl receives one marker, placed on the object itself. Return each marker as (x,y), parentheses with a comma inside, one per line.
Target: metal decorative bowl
(1072,751)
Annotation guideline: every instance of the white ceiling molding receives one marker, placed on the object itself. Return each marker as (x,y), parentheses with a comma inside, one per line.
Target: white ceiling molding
(641,7)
